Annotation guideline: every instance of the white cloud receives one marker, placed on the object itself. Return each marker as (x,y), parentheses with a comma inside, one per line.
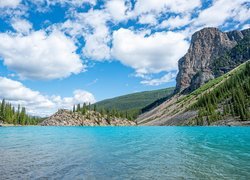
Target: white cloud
(92,27)
(79,97)
(36,103)
(246,26)
(117,9)
(175,22)
(148,19)
(219,12)
(156,82)
(157,6)
(22,26)
(9,3)
(98,35)
(40,55)
(17,93)
(153,54)
(44,4)
(242,14)
(73,2)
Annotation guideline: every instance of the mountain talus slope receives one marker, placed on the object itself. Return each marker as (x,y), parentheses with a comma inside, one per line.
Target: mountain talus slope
(224,100)
(211,54)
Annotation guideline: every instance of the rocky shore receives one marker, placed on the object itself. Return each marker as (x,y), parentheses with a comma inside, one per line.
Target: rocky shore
(91,118)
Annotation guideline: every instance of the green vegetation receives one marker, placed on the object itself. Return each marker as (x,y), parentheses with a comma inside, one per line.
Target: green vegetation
(130,106)
(224,98)
(231,98)
(9,115)
(86,108)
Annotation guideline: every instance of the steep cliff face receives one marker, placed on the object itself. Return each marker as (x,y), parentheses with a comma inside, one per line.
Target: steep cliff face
(207,45)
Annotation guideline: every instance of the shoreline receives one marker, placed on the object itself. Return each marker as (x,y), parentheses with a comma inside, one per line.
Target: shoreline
(212,125)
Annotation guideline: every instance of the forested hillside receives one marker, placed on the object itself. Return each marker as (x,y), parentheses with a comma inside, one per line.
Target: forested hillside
(10,115)
(229,99)
(225,99)
(129,106)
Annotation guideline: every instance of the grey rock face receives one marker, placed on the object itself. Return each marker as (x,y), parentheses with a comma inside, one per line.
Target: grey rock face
(67,118)
(206,45)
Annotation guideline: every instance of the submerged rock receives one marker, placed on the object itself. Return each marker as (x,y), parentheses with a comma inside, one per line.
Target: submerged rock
(67,118)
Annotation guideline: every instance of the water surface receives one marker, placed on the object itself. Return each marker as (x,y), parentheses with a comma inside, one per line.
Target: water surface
(125,153)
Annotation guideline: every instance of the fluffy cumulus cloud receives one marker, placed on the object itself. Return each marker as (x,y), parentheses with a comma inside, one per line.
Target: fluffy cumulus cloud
(149,54)
(164,79)
(9,3)
(45,4)
(40,55)
(222,10)
(16,93)
(92,26)
(22,26)
(175,22)
(97,35)
(37,103)
(79,97)
(157,6)
(117,9)
(107,30)
(146,54)
(71,2)
(148,19)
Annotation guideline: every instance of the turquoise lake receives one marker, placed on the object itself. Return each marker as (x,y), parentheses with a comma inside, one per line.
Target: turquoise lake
(124,153)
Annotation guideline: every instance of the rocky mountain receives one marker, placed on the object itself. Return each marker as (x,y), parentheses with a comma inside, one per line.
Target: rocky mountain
(222,101)
(211,54)
(91,118)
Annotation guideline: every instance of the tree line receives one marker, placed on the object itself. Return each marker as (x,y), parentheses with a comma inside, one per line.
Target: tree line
(109,113)
(17,116)
(231,98)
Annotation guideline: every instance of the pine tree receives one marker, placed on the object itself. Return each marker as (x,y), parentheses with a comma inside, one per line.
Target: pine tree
(22,116)
(78,109)
(2,110)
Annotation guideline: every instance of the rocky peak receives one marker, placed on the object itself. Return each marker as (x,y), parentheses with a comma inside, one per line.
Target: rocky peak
(206,45)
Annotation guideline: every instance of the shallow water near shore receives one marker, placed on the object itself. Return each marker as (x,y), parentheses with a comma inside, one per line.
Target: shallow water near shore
(124,152)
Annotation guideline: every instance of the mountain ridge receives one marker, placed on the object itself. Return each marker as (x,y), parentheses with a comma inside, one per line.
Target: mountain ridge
(206,48)
(212,56)
(180,109)
(133,104)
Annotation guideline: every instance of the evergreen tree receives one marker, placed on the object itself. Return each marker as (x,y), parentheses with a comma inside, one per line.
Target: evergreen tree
(78,109)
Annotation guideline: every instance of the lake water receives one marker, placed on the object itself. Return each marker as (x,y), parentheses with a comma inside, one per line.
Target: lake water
(124,153)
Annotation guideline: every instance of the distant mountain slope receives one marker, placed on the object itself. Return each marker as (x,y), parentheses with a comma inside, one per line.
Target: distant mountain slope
(224,100)
(133,103)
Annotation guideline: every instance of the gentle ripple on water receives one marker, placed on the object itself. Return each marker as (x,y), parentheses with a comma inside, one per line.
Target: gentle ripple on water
(125,153)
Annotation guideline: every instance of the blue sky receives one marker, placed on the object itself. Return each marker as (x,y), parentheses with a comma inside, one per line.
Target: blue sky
(56,53)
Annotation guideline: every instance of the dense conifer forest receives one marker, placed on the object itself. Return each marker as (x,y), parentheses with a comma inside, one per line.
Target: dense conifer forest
(229,99)
(17,116)
(131,105)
